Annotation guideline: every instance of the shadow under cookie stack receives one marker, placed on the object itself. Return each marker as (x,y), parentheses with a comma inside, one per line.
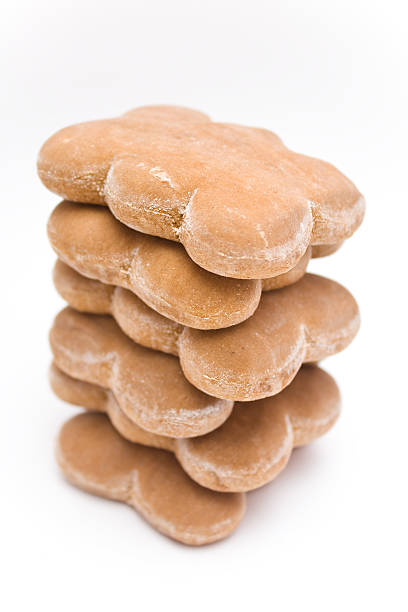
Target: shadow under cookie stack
(192,330)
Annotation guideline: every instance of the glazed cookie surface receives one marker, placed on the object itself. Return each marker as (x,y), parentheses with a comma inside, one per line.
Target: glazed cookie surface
(304,322)
(90,240)
(149,385)
(94,457)
(250,449)
(241,203)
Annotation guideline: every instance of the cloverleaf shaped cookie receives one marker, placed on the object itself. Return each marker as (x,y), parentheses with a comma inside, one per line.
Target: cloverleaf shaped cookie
(241,203)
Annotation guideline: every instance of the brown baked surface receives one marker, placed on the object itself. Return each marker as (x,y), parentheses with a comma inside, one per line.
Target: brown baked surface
(93,242)
(149,385)
(304,322)
(250,449)
(94,457)
(241,203)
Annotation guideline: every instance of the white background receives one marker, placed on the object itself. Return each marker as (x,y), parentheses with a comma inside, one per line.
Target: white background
(331,78)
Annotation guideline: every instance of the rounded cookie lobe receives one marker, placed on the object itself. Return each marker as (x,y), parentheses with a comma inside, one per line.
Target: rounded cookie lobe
(313,403)
(143,324)
(75,161)
(146,197)
(75,391)
(241,244)
(93,349)
(84,294)
(247,451)
(95,458)
(253,446)
(96,398)
(338,207)
(304,322)
(166,279)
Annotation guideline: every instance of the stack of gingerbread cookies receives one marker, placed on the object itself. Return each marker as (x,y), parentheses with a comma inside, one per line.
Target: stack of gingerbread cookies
(192,329)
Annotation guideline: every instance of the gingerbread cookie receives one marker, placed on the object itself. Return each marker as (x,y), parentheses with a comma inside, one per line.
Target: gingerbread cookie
(307,321)
(89,239)
(241,203)
(94,457)
(250,448)
(92,348)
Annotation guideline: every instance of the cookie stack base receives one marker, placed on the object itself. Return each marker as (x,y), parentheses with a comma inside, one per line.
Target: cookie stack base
(94,457)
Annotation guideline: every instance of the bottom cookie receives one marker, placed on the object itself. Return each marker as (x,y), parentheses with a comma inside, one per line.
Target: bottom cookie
(94,457)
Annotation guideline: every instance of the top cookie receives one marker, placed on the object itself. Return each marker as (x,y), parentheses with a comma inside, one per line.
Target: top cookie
(241,203)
